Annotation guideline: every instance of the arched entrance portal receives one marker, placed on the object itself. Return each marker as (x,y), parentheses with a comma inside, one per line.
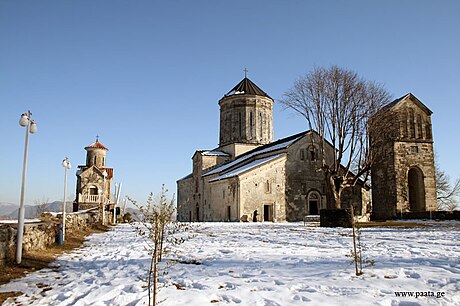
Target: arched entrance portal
(416,190)
(314,202)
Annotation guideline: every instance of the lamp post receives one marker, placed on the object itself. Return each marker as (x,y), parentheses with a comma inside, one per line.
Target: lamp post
(66,164)
(104,174)
(31,127)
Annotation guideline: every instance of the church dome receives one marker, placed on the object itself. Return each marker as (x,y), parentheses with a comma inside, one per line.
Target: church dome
(246,87)
(96,145)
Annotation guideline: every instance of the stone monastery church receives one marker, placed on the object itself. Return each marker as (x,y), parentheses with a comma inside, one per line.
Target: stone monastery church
(251,177)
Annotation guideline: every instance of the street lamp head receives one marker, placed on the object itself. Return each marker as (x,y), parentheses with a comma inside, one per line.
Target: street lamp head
(33,127)
(66,163)
(24,120)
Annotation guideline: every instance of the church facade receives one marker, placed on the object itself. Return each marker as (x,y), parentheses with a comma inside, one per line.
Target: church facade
(250,177)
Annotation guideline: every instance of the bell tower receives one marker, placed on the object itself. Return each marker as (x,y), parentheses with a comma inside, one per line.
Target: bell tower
(403,176)
(246,118)
(95,154)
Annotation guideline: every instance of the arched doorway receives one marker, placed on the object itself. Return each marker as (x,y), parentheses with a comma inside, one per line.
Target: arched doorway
(416,188)
(93,190)
(314,203)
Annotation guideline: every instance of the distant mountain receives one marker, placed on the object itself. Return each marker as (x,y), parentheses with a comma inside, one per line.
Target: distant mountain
(7,208)
(10,211)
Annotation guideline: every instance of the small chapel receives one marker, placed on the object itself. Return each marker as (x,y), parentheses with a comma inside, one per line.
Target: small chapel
(251,177)
(94,179)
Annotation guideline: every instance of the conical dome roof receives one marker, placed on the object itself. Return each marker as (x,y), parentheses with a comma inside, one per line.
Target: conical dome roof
(96,145)
(246,87)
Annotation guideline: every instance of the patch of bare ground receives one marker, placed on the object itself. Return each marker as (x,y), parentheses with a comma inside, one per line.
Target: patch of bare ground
(32,261)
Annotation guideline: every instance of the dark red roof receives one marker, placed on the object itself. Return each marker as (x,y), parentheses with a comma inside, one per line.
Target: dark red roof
(96,145)
(109,172)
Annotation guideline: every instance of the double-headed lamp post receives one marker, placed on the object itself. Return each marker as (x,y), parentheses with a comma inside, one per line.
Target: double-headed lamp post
(31,127)
(67,165)
(104,174)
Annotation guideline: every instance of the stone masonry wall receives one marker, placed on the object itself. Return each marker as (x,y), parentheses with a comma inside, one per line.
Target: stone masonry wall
(41,235)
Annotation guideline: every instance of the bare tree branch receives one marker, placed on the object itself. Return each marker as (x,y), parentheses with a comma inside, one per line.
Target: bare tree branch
(338,105)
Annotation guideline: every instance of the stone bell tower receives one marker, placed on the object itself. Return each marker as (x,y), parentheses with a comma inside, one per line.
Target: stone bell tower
(94,179)
(403,176)
(246,118)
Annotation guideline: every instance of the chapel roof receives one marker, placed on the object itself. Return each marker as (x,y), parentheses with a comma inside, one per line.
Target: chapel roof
(96,145)
(246,87)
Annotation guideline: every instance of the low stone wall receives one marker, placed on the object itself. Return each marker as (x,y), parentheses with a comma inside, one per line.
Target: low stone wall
(425,215)
(335,218)
(37,236)
(41,235)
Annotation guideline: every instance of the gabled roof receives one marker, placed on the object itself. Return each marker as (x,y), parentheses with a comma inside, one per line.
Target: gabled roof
(96,145)
(246,87)
(82,169)
(268,148)
(246,167)
(411,97)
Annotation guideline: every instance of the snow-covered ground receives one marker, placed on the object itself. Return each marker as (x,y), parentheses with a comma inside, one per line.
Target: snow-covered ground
(256,264)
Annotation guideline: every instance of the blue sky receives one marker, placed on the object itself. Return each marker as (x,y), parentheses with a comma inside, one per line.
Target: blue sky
(146,76)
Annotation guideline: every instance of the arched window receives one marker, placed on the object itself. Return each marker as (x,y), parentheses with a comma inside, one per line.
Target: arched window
(268,129)
(260,125)
(251,125)
(95,158)
(412,123)
(419,126)
(313,153)
(404,125)
(267,186)
(427,130)
(240,124)
(302,154)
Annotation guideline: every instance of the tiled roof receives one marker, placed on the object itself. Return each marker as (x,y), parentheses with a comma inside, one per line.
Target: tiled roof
(96,145)
(246,87)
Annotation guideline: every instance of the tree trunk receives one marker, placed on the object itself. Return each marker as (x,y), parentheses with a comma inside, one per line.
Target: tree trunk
(332,194)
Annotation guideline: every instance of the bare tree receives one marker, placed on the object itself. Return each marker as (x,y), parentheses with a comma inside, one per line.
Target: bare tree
(446,194)
(338,105)
(156,225)
(41,206)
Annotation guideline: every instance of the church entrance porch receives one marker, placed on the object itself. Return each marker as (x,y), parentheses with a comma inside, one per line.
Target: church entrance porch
(268,212)
(416,188)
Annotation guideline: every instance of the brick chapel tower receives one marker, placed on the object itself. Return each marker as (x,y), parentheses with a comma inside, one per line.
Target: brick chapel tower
(403,176)
(246,118)
(94,179)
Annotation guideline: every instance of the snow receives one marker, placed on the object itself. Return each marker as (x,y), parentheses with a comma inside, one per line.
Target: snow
(246,167)
(255,264)
(215,153)
(14,221)
(246,157)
